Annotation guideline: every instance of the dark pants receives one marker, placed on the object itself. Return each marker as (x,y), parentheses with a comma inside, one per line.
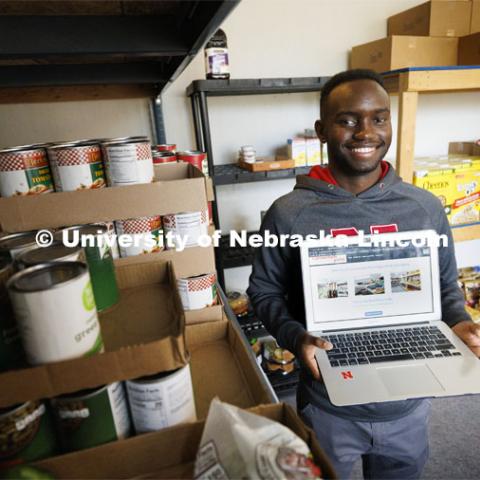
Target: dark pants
(389,450)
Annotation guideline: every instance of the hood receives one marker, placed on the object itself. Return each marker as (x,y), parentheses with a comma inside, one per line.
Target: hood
(324,184)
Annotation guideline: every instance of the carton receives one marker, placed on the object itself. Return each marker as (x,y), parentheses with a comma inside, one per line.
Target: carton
(143,334)
(314,156)
(178,187)
(152,456)
(399,51)
(475,21)
(435,19)
(469,49)
(296,150)
(466,204)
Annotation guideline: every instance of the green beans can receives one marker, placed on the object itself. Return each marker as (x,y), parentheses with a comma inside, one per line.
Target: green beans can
(99,259)
(26,434)
(11,350)
(55,311)
(92,417)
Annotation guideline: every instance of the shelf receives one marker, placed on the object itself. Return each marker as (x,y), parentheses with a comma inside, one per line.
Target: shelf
(231,174)
(117,42)
(218,88)
(466,232)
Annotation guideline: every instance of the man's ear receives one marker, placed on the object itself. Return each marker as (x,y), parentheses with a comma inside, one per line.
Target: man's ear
(319,128)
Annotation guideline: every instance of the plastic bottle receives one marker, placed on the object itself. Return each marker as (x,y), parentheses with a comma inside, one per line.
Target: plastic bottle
(216,57)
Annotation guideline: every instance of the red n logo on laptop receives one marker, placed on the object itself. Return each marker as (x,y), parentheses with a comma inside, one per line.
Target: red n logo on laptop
(347,375)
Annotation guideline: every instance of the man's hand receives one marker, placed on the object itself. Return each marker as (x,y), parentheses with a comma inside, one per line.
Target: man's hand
(469,332)
(307,344)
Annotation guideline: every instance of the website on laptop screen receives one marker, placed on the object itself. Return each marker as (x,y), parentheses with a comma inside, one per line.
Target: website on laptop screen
(355,282)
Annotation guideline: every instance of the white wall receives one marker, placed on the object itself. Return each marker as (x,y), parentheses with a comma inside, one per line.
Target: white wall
(266,38)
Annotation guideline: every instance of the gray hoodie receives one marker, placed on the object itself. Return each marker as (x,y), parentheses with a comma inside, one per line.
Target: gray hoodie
(276,289)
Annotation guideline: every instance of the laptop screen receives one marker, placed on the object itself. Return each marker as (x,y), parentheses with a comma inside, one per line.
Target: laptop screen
(359,282)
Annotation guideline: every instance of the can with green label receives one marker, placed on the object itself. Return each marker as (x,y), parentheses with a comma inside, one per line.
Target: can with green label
(55,311)
(26,434)
(11,350)
(92,417)
(95,240)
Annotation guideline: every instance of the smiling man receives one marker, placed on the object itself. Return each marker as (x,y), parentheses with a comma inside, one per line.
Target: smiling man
(357,191)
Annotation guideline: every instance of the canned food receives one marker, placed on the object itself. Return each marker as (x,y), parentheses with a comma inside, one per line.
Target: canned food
(98,255)
(24,171)
(91,417)
(77,166)
(26,434)
(57,252)
(164,157)
(128,161)
(14,244)
(196,158)
(145,234)
(197,292)
(162,400)
(11,351)
(166,147)
(55,311)
(188,226)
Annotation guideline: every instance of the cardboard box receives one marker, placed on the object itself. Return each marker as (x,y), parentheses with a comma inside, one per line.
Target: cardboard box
(267,164)
(143,334)
(475,20)
(314,155)
(399,51)
(469,49)
(464,148)
(152,456)
(179,187)
(296,150)
(435,19)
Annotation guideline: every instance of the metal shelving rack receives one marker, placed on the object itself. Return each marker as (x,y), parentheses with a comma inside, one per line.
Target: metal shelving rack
(199,91)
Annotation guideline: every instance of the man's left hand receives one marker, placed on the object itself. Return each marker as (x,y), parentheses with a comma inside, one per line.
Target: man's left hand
(469,332)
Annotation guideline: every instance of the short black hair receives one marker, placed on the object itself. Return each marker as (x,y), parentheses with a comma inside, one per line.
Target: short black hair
(348,76)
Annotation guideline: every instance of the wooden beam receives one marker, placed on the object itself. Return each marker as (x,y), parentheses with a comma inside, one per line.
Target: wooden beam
(74,93)
(443,80)
(407,113)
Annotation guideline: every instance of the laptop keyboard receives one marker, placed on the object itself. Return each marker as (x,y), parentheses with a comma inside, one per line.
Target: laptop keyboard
(400,344)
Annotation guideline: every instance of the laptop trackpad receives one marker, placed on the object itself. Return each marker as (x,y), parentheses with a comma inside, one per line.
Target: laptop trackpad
(409,380)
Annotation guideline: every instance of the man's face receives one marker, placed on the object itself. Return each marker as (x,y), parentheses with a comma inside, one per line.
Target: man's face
(356,126)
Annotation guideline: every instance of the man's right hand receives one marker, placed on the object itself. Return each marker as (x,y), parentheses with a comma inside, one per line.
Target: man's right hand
(306,346)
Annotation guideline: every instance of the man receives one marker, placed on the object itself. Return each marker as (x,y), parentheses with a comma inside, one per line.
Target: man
(357,191)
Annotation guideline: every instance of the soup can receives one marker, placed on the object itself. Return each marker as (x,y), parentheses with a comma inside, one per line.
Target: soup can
(128,161)
(188,226)
(162,400)
(24,171)
(144,235)
(57,252)
(12,245)
(164,157)
(55,311)
(11,350)
(197,292)
(77,166)
(98,256)
(166,147)
(26,434)
(196,158)
(91,417)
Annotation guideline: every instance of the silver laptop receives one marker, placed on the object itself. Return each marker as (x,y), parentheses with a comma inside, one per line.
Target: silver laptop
(377,300)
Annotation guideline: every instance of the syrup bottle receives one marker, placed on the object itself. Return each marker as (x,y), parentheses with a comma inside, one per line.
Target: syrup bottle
(216,57)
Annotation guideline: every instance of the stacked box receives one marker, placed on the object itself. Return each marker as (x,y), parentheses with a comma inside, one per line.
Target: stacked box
(313,151)
(296,149)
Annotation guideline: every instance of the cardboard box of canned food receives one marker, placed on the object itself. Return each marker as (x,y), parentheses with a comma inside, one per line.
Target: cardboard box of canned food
(143,334)
(178,187)
(152,455)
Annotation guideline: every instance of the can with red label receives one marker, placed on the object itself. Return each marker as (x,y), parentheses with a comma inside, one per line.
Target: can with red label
(198,292)
(77,166)
(163,157)
(128,161)
(166,147)
(139,235)
(186,226)
(24,171)
(196,158)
